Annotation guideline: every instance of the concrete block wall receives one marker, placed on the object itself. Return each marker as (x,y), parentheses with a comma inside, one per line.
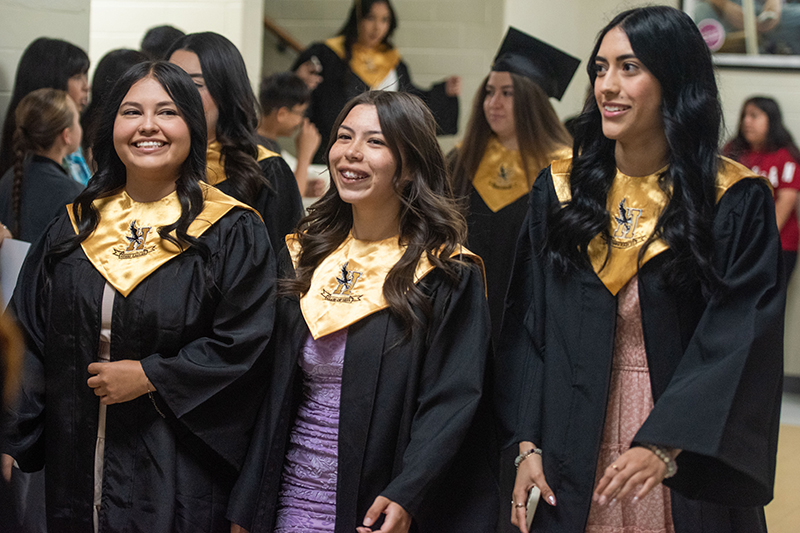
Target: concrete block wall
(437,38)
(123,23)
(22,21)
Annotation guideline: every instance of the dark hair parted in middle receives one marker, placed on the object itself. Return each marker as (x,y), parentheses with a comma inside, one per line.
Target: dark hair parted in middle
(430,222)
(225,76)
(358,11)
(777,135)
(668,43)
(111,172)
(538,130)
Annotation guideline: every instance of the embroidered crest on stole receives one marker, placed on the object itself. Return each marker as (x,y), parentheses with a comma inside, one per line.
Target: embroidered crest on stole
(137,243)
(345,283)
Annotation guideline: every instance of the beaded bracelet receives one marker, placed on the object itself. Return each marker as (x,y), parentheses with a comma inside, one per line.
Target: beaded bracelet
(521,457)
(663,454)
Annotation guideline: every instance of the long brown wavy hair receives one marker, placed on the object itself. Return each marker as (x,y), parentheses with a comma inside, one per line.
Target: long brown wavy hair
(40,118)
(538,129)
(430,222)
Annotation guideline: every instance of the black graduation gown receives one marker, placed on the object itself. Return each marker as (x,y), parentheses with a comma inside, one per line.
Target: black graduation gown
(279,203)
(493,237)
(715,368)
(199,328)
(339,85)
(414,425)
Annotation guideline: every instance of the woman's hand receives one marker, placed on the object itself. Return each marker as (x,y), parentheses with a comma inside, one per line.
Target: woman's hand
(638,467)
(309,73)
(529,473)
(774,7)
(307,141)
(7,465)
(118,381)
(4,234)
(397,519)
(452,86)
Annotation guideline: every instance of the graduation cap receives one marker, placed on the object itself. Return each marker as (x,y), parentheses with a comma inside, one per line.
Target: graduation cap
(547,66)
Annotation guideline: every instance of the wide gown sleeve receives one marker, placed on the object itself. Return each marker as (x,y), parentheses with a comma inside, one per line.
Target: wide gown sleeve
(209,386)
(519,359)
(445,108)
(450,388)
(722,405)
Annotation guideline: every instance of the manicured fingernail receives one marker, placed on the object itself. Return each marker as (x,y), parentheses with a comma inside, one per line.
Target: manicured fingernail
(595,497)
(602,500)
(635,499)
(368,522)
(551,499)
(612,503)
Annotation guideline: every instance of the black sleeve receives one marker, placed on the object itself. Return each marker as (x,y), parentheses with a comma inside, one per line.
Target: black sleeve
(445,108)
(220,370)
(280,204)
(519,359)
(722,405)
(450,388)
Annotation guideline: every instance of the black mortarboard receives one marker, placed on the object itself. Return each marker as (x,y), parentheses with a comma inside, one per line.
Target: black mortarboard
(547,66)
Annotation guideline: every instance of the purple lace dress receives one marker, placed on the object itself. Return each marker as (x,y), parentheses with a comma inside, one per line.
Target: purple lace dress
(307,501)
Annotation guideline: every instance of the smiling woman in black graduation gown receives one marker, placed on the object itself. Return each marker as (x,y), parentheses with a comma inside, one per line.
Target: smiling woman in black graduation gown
(414,438)
(171,281)
(643,333)
(361,58)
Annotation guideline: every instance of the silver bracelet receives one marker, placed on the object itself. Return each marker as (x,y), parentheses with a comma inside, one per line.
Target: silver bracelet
(663,454)
(521,457)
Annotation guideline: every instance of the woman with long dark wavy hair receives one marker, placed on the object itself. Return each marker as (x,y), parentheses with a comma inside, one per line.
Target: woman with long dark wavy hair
(764,145)
(362,57)
(642,344)
(375,410)
(237,165)
(48,64)
(145,308)
(513,133)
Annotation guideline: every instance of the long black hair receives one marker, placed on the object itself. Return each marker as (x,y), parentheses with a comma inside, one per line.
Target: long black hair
(111,173)
(108,70)
(225,75)
(45,64)
(669,44)
(430,222)
(777,135)
(358,11)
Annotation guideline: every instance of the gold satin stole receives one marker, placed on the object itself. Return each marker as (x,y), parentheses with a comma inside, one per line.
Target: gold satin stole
(215,163)
(126,247)
(372,65)
(634,203)
(501,179)
(348,284)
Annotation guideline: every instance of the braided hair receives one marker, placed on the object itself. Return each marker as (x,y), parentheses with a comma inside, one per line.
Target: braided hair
(40,118)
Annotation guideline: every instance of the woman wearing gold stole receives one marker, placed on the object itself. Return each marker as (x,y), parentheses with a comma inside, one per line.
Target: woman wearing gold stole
(362,57)
(642,343)
(513,133)
(237,165)
(375,416)
(145,308)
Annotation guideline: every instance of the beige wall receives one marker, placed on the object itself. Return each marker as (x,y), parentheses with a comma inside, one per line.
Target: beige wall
(122,24)
(22,21)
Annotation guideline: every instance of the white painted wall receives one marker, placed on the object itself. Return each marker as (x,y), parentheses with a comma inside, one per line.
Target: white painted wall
(123,23)
(22,21)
